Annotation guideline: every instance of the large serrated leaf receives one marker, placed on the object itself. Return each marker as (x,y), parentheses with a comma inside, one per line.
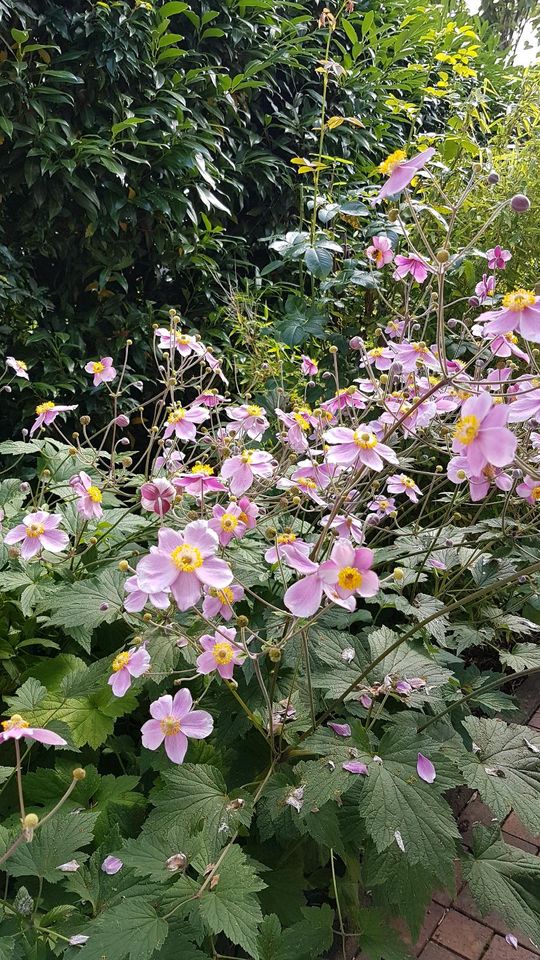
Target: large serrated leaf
(133,929)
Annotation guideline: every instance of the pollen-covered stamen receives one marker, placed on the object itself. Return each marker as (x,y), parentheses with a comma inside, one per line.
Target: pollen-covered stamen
(22,364)
(177,415)
(376,352)
(535,493)
(246,456)
(420,347)
(306,483)
(225,595)
(349,578)
(286,538)
(389,165)
(407,481)
(223,652)
(301,421)
(98,367)
(121,661)
(365,439)
(170,726)
(253,410)
(95,494)
(519,300)
(15,723)
(187,558)
(466,429)
(44,407)
(228,522)
(34,530)
(203,470)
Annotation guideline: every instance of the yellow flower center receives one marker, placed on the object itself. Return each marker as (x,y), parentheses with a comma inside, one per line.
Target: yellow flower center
(349,578)
(389,165)
(406,481)
(519,299)
(365,439)
(187,558)
(246,456)
(301,421)
(306,483)
(16,723)
(511,338)
(44,407)
(253,410)
(466,429)
(228,522)
(35,530)
(225,595)
(286,538)
(95,494)
(243,517)
(120,661)
(21,364)
(376,352)
(169,726)
(383,504)
(535,493)
(202,469)
(419,347)
(223,652)
(98,367)
(177,415)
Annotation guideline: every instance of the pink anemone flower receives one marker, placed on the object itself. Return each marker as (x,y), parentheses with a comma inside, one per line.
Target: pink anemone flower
(249,419)
(128,664)
(227,523)
(459,469)
(525,407)
(345,527)
(137,598)
(484,289)
(250,512)
(19,366)
(308,366)
(413,266)
(343,399)
(520,311)
(242,470)
(182,342)
(345,575)
(401,483)
(183,563)
(17,727)
(47,412)
(89,496)
(38,531)
(220,602)
(102,370)
(294,552)
(299,424)
(199,481)
(381,358)
(310,479)
(481,434)
(529,490)
(181,422)
(380,252)
(173,721)
(220,653)
(158,496)
(412,355)
(356,448)
(401,171)
(498,258)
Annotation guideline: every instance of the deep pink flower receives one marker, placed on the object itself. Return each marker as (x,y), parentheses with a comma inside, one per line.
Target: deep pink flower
(89,496)
(292,551)
(347,573)
(529,489)
(38,531)
(183,563)
(380,252)
(250,512)
(241,471)
(137,598)
(401,483)
(401,171)
(481,434)
(413,266)
(220,653)
(498,258)
(308,366)
(248,419)
(128,664)
(227,523)
(344,399)
(220,602)
(209,398)
(111,865)
(17,727)
(47,412)
(199,481)
(355,448)
(158,496)
(520,311)
(173,722)
(19,366)
(102,370)
(484,289)
(121,421)
(181,422)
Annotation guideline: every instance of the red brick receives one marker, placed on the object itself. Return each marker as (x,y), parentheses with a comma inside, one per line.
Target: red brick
(475,812)
(463,935)
(518,842)
(466,904)
(499,949)
(535,720)
(433,917)
(434,952)
(515,827)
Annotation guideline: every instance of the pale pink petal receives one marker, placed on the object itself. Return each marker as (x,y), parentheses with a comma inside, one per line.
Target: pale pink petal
(120,682)
(303,599)
(425,769)
(162,707)
(182,703)
(156,572)
(214,572)
(16,535)
(186,590)
(152,734)
(198,724)
(206,662)
(30,546)
(197,534)
(54,540)
(176,746)
(45,736)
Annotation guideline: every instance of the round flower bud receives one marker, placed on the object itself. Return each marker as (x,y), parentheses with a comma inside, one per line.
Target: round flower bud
(123,566)
(270,532)
(178,861)
(84,420)
(326,375)
(45,474)
(438,468)
(442,256)
(24,487)
(383,379)
(452,323)
(274,654)
(477,167)
(392,215)
(449,543)
(398,574)
(78,773)
(355,343)
(522,579)
(192,515)
(147,617)
(103,606)
(520,203)
(332,349)
(242,622)
(126,462)
(129,343)
(30,821)
(92,541)
(72,451)
(296,501)
(493,177)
